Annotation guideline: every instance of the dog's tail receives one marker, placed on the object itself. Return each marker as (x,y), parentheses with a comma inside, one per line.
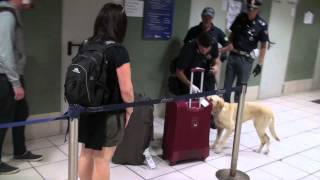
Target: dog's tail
(272,129)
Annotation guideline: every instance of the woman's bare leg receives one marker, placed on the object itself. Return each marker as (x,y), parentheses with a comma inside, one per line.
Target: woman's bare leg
(102,163)
(86,163)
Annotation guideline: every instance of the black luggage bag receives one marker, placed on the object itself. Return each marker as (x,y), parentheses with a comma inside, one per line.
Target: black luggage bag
(138,135)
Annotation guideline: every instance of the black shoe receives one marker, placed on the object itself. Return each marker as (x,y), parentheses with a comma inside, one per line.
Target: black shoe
(6,169)
(28,156)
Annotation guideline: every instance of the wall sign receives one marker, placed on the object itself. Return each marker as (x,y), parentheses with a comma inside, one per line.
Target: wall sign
(158,19)
(134,8)
(308,18)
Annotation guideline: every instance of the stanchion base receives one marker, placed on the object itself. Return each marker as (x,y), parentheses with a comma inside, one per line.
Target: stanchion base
(224,174)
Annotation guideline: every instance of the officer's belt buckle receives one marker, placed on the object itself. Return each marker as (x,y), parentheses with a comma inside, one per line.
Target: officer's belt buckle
(243,53)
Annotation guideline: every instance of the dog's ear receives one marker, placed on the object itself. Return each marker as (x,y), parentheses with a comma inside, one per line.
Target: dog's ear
(209,98)
(220,104)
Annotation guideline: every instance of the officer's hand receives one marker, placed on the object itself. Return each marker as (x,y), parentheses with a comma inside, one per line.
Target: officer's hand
(18,93)
(194,89)
(223,57)
(257,70)
(214,70)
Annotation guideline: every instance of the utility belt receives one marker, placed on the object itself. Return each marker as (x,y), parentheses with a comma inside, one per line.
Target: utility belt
(242,53)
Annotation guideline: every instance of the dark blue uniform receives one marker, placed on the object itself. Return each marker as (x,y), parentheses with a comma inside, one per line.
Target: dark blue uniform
(189,58)
(246,35)
(214,32)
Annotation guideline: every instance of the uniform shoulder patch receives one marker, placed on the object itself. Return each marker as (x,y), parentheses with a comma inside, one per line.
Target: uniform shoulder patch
(262,21)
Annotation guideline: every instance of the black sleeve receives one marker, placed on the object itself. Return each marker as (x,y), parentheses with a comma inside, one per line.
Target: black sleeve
(120,56)
(222,39)
(235,23)
(185,57)
(188,37)
(264,35)
(214,51)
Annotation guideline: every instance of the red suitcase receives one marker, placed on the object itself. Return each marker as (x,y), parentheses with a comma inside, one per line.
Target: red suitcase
(186,130)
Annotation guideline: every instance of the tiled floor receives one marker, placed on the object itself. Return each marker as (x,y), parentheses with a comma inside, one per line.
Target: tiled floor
(296,156)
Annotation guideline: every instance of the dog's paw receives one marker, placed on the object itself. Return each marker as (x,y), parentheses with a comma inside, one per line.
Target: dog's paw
(266,152)
(213,146)
(218,150)
(256,151)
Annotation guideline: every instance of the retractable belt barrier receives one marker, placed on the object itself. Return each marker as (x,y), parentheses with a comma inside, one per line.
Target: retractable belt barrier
(74,111)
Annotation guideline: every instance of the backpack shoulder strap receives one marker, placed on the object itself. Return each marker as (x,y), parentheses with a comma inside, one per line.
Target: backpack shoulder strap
(8,9)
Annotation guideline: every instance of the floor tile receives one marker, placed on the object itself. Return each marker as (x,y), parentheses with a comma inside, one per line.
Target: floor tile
(311,177)
(312,154)
(247,127)
(65,149)
(173,176)
(317,174)
(251,160)
(307,139)
(220,163)
(50,155)
(114,165)
(303,163)
(28,174)
(279,108)
(58,140)
(284,171)
(186,165)
(147,173)
(261,175)
(123,173)
(38,144)
(200,172)
(54,171)
(227,151)
(247,160)
(313,110)
(250,139)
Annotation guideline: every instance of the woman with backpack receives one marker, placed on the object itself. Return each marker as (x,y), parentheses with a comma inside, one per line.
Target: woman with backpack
(101,132)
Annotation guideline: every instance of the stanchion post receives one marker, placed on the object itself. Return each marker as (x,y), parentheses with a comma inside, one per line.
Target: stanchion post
(73,149)
(233,173)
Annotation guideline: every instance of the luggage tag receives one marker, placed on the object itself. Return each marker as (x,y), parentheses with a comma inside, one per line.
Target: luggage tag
(204,102)
(149,159)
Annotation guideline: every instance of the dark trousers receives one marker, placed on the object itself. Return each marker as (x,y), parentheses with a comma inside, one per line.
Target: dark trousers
(12,111)
(239,67)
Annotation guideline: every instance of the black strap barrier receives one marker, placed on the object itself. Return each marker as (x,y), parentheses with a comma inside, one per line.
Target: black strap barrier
(74,110)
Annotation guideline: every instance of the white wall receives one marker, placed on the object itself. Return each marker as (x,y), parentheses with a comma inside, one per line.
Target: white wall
(197,7)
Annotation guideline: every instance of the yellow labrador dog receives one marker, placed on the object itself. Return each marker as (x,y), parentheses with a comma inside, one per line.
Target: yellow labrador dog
(225,118)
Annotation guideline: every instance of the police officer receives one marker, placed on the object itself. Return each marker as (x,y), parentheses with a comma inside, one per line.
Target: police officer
(247,31)
(207,25)
(203,53)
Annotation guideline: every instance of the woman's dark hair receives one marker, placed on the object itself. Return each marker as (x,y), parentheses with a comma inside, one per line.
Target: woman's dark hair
(204,39)
(110,24)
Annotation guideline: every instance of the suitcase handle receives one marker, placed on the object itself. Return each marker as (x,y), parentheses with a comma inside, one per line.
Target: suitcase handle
(194,70)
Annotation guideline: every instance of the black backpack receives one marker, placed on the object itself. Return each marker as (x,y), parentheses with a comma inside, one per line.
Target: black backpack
(86,76)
